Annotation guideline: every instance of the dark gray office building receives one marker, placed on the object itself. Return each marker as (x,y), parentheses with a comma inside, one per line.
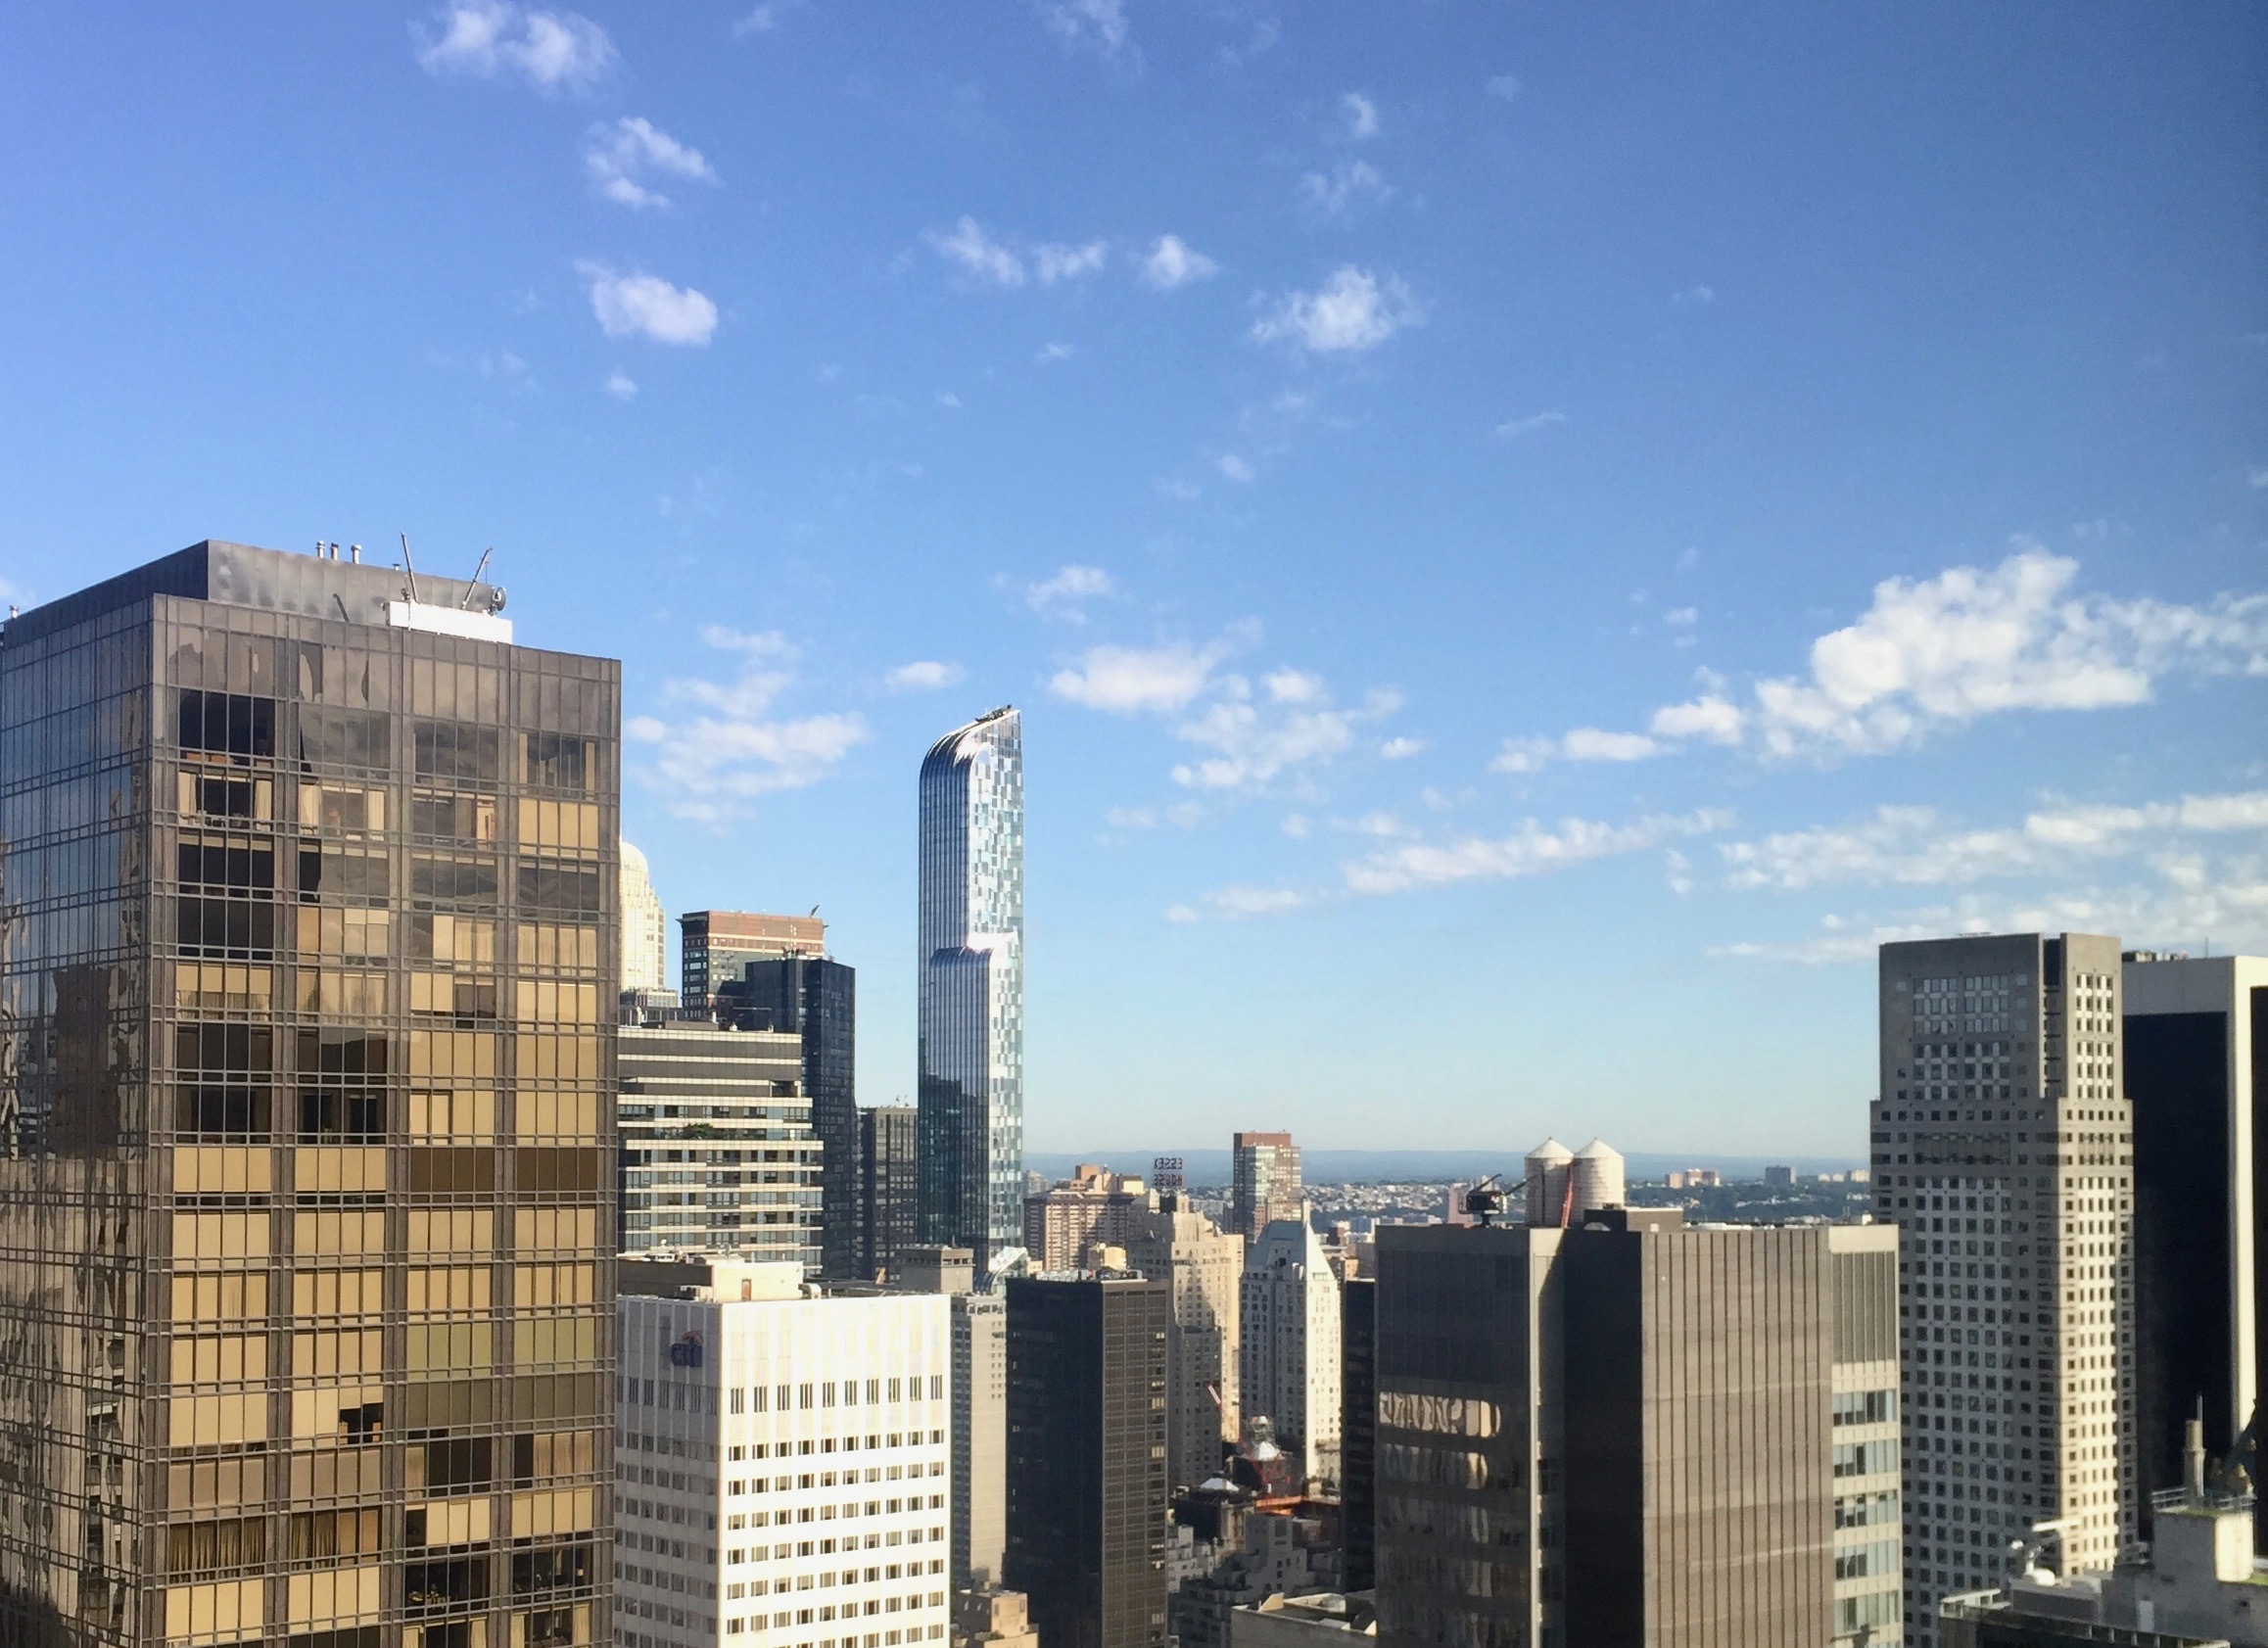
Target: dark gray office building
(887,1188)
(1086,1457)
(1358,1430)
(2196,1060)
(1632,1434)
(307,971)
(815,998)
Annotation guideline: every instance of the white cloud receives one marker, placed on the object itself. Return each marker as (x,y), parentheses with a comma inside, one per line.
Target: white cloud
(490,40)
(1254,745)
(1295,825)
(713,763)
(1177,489)
(623,159)
(1053,353)
(1524,755)
(1361,115)
(1709,717)
(1400,749)
(1233,467)
(1919,846)
(1938,654)
(979,253)
(1236,903)
(1174,262)
(1129,679)
(621,387)
(1353,311)
(637,305)
(1098,25)
(1531,850)
(2256,476)
(761,19)
(1057,261)
(1693,297)
(1066,595)
(1514,428)
(1504,86)
(924,676)
(1590,743)
(1681,616)
(948,399)
(1347,185)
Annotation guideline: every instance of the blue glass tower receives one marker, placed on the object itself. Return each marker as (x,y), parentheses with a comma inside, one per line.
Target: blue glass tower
(970,939)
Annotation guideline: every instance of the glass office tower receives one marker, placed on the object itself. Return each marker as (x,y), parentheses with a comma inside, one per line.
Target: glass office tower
(307,888)
(971,942)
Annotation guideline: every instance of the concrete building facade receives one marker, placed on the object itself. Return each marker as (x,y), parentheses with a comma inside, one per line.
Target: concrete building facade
(1093,1208)
(2003,1146)
(781,1459)
(1203,1265)
(1288,1367)
(645,929)
(718,1154)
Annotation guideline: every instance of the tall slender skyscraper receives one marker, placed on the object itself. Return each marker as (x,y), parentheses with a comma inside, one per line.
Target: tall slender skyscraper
(307,1185)
(2004,1145)
(1264,1187)
(971,955)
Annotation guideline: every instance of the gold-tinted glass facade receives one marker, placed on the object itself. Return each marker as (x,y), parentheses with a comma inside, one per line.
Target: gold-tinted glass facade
(306,1146)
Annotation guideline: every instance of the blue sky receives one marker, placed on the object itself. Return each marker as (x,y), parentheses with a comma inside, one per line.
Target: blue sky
(1526,538)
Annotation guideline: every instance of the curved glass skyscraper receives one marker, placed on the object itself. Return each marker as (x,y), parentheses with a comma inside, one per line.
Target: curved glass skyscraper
(971,931)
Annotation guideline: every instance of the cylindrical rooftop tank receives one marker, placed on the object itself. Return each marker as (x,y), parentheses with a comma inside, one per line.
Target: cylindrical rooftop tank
(1548,1182)
(1598,1169)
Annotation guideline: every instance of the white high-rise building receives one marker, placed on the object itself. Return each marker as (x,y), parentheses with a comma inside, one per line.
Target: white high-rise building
(1288,1365)
(970,942)
(782,1462)
(2002,1144)
(646,939)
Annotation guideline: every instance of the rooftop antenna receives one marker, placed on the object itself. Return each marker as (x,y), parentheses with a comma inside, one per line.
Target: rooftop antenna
(412,565)
(476,577)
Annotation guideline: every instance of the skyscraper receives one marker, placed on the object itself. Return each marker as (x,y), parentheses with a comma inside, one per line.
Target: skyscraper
(1358,1429)
(1264,1182)
(646,938)
(970,955)
(714,945)
(2197,1059)
(1627,1432)
(718,1153)
(1086,1457)
(307,964)
(885,1195)
(815,996)
(979,1410)
(2003,1146)
(1288,1365)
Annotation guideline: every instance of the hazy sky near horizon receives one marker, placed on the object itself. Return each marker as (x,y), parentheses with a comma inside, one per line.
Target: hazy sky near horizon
(1527,539)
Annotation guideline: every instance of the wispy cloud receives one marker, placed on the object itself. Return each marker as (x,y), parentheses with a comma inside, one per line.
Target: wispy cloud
(1346,186)
(1233,467)
(1067,592)
(1935,655)
(621,387)
(979,253)
(495,39)
(623,159)
(1400,749)
(763,18)
(1533,849)
(1504,86)
(1095,26)
(1240,903)
(1172,263)
(1361,115)
(639,305)
(1512,428)
(1351,312)
(1693,297)
(924,676)
(1055,261)
(727,749)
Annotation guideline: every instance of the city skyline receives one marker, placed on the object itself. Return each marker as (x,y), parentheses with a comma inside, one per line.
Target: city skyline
(1486,482)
